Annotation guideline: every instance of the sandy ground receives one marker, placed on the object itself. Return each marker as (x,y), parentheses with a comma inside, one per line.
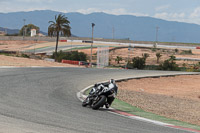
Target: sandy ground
(17,45)
(25,62)
(152,59)
(173,97)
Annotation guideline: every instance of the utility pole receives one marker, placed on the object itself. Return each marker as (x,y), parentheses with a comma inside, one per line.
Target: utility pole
(24,28)
(71,44)
(157,28)
(6,32)
(129,49)
(113,32)
(92,43)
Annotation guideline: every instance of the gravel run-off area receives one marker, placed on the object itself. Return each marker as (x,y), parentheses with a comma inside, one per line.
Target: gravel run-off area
(173,97)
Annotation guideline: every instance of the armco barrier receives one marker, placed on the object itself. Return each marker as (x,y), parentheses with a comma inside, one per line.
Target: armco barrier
(70,62)
(197,47)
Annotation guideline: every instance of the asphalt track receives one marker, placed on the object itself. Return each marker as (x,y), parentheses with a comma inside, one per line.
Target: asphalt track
(43,100)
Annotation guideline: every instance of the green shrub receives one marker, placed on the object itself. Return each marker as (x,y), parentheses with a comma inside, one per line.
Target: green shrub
(169,65)
(25,55)
(184,64)
(151,67)
(187,52)
(73,55)
(3,44)
(195,67)
(154,49)
(176,50)
(138,62)
(59,56)
(6,54)
(172,58)
(145,55)
(118,59)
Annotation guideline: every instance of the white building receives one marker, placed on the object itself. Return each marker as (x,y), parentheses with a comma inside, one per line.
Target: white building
(33,32)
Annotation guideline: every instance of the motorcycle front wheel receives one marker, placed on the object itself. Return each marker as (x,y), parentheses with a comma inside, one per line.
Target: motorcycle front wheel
(99,103)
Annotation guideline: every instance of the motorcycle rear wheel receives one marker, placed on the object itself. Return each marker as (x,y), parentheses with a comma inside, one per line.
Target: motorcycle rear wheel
(101,101)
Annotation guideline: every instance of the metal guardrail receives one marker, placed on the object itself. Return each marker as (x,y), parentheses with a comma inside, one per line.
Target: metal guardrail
(188,59)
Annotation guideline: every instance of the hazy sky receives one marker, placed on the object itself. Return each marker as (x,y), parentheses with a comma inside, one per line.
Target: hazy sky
(177,10)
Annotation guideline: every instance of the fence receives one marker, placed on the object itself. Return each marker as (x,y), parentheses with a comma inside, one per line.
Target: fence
(102,57)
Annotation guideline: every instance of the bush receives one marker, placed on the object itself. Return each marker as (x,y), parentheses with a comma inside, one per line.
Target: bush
(176,50)
(172,58)
(154,49)
(74,55)
(25,55)
(118,59)
(194,67)
(151,67)
(145,55)
(128,65)
(59,57)
(169,65)
(138,62)
(3,44)
(187,52)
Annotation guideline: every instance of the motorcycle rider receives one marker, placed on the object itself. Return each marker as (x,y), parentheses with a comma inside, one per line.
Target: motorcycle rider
(111,85)
(106,87)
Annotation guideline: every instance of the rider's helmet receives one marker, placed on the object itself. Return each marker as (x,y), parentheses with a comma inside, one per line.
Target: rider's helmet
(95,85)
(112,81)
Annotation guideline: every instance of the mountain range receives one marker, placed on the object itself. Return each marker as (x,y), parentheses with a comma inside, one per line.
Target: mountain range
(108,26)
(15,31)
(9,31)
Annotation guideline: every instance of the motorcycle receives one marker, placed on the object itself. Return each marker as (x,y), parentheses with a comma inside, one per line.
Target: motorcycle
(98,96)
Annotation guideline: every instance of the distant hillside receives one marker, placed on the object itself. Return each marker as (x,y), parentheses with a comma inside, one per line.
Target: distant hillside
(9,31)
(15,31)
(124,26)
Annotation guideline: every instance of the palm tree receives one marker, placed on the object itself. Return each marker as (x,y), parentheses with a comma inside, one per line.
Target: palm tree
(60,26)
(158,55)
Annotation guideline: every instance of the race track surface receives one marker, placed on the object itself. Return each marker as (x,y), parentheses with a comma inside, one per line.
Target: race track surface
(43,100)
